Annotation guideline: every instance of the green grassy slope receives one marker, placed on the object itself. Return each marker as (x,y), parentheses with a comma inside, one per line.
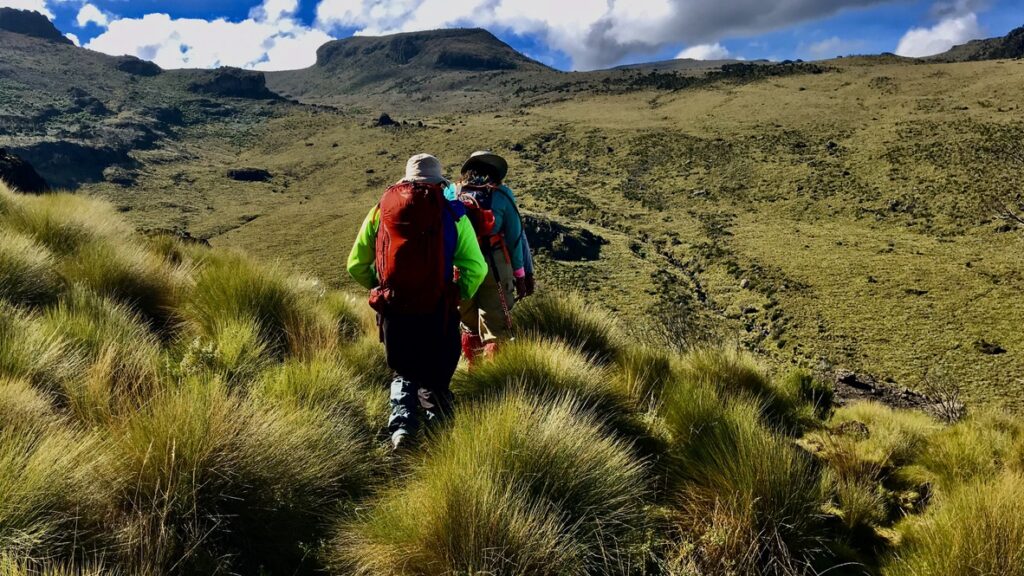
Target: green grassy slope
(833,219)
(167,408)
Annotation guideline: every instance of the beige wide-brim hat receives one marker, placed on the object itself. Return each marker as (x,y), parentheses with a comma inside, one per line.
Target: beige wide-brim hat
(424,168)
(487,158)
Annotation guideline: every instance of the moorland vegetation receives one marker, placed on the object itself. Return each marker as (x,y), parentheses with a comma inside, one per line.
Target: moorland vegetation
(168,408)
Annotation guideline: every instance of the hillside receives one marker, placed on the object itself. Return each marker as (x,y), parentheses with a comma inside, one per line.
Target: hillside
(834,216)
(1004,47)
(167,408)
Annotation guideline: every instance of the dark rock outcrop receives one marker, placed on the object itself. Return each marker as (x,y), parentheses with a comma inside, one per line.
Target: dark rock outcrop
(1001,48)
(234,83)
(250,175)
(138,67)
(384,121)
(31,23)
(561,241)
(20,174)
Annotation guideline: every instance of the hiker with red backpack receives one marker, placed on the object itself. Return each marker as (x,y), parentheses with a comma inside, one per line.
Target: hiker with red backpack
(491,206)
(406,253)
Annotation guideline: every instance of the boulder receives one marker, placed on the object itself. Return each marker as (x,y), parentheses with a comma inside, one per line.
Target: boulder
(561,241)
(384,121)
(138,67)
(250,175)
(20,174)
(234,83)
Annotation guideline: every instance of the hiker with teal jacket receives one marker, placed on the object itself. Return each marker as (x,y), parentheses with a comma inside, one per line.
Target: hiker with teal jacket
(491,205)
(406,254)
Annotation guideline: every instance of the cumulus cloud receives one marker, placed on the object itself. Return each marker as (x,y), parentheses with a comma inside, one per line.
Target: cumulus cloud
(594,33)
(830,48)
(948,32)
(35,5)
(74,39)
(706,52)
(270,39)
(90,14)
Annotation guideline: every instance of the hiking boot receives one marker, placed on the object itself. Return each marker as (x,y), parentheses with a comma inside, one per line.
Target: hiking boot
(400,441)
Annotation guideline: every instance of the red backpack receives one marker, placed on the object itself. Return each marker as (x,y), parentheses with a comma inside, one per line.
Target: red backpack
(410,258)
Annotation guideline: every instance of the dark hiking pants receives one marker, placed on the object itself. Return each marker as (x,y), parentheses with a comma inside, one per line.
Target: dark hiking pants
(423,351)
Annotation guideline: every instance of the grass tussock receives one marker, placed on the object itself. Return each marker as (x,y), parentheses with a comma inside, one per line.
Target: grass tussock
(519,486)
(230,288)
(28,274)
(213,475)
(569,319)
(977,529)
(167,408)
(548,370)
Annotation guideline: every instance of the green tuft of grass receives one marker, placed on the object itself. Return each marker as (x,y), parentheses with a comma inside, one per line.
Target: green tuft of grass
(30,352)
(980,447)
(231,288)
(28,272)
(132,275)
(518,486)
(977,529)
(569,319)
(235,352)
(893,437)
(52,496)
(736,374)
(749,501)
(63,223)
(548,370)
(212,479)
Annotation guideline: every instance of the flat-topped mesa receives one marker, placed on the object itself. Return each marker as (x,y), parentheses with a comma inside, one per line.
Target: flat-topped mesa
(468,49)
(30,23)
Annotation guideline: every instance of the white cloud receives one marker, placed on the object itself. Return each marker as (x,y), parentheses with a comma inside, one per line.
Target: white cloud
(35,5)
(706,52)
(830,48)
(949,32)
(73,39)
(90,14)
(594,33)
(270,39)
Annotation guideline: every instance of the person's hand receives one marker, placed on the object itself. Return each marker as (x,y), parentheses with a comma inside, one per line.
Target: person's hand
(521,288)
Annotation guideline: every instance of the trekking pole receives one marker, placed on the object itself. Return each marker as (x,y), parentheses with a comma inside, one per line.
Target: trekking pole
(501,292)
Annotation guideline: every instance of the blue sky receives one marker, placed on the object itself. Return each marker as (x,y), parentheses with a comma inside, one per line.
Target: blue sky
(567,34)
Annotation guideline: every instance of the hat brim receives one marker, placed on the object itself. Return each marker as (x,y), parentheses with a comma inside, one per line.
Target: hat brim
(488,159)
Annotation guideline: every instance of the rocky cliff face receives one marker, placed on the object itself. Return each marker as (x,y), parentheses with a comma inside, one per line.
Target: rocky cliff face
(30,23)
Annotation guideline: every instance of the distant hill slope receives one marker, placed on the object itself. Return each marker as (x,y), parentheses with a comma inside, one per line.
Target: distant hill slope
(79,116)
(685,65)
(411,71)
(30,23)
(1003,47)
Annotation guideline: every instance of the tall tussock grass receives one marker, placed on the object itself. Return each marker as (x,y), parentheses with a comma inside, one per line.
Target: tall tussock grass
(518,486)
(168,408)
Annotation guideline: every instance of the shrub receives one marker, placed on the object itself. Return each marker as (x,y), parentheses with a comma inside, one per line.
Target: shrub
(977,529)
(131,275)
(569,319)
(520,486)
(208,476)
(28,274)
(547,370)
(230,288)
